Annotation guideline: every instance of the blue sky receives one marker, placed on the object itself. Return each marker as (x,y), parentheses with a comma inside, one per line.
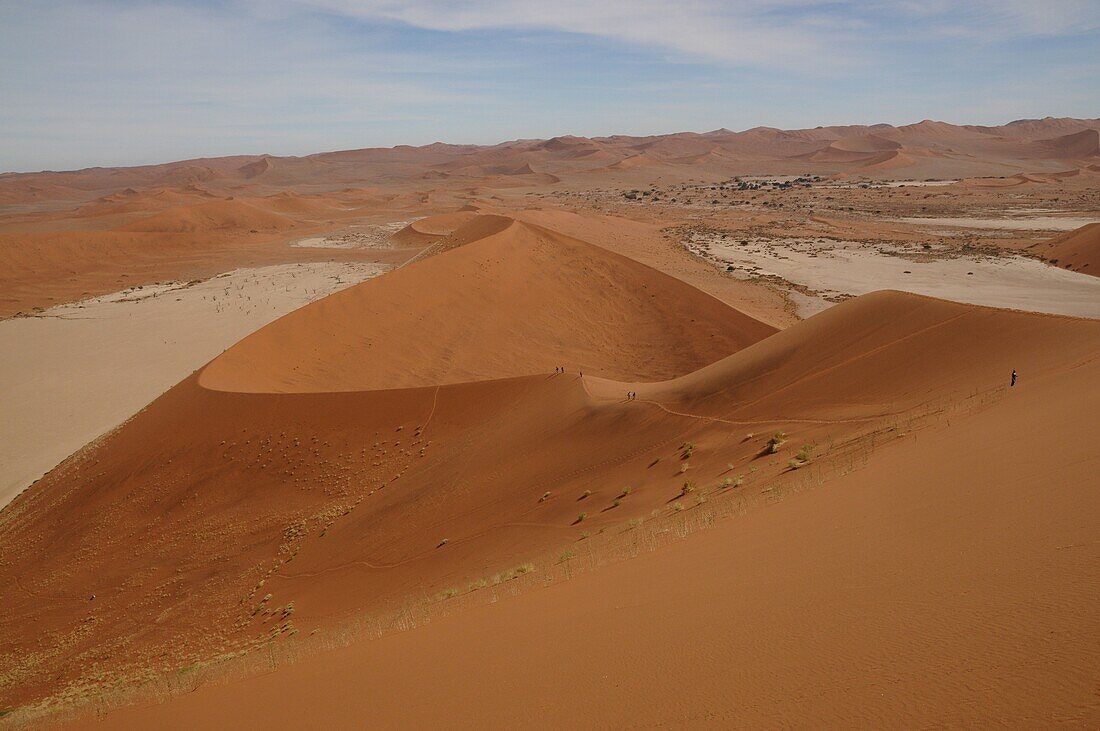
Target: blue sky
(123,82)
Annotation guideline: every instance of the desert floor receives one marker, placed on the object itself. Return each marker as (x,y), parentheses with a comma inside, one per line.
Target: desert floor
(694,430)
(60,369)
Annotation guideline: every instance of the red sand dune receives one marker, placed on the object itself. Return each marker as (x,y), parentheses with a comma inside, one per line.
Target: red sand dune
(554,301)
(143,201)
(369,455)
(1079,145)
(950,583)
(866,143)
(888,161)
(324,460)
(211,216)
(641,160)
(1078,250)
(430,230)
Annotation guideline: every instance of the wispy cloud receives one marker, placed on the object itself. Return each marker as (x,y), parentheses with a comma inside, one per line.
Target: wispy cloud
(128,81)
(769,33)
(764,32)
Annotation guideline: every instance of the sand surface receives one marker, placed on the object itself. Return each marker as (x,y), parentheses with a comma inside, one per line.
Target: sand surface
(1031,223)
(430,324)
(297,488)
(388,508)
(360,236)
(825,271)
(75,371)
(952,592)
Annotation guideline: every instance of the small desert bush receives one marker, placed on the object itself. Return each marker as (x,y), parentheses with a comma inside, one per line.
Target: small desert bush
(525,568)
(802,458)
(689,487)
(585,494)
(774,443)
(582,517)
(677,507)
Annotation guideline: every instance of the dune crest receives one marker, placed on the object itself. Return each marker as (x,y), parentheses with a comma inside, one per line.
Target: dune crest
(505,299)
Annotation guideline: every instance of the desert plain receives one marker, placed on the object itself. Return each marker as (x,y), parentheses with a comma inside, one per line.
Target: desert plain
(771,428)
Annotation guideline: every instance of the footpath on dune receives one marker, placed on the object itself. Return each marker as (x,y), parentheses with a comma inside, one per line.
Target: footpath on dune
(300,485)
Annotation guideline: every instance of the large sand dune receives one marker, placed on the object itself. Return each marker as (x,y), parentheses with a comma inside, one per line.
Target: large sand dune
(300,481)
(517,300)
(400,472)
(954,591)
(1078,250)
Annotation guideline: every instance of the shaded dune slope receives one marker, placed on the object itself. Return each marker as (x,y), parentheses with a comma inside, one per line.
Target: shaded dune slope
(1078,250)
(949,583)
(300,467)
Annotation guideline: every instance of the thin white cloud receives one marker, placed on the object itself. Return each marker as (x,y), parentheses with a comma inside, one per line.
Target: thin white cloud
(795,34)
(760,33)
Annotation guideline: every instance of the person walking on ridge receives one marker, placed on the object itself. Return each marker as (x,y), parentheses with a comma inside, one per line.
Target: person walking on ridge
(1013,383)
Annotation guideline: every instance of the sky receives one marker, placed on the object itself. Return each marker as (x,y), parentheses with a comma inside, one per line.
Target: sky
(124,82)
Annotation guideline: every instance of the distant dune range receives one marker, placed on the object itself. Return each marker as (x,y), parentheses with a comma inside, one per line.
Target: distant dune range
(933,148)
(388,447)
(69,235)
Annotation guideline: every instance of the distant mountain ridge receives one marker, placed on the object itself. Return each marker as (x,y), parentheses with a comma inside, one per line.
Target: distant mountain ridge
(926,148)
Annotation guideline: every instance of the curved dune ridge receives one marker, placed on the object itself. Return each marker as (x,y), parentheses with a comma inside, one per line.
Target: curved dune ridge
(214,509)
(508,299)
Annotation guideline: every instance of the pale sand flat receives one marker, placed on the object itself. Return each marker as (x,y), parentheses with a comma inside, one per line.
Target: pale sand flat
(831,268)
(77,371)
